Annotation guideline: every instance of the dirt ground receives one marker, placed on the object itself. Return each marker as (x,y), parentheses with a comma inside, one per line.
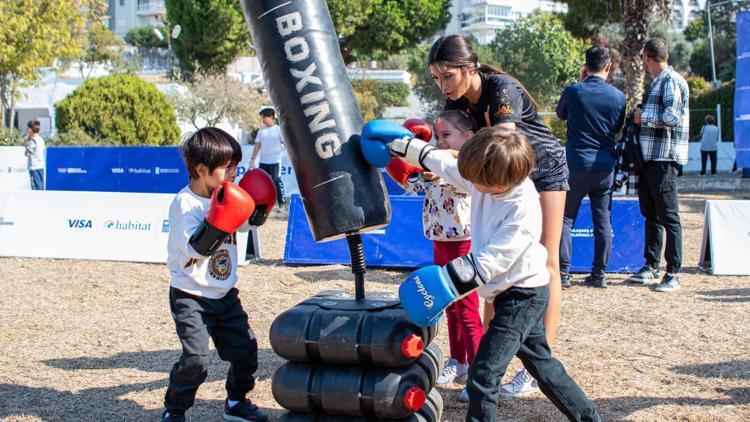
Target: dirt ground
(94,341)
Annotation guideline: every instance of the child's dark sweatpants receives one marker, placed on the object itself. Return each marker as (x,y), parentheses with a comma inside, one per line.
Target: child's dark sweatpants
(224,320)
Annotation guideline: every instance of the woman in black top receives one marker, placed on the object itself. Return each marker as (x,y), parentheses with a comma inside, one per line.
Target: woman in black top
(494,98)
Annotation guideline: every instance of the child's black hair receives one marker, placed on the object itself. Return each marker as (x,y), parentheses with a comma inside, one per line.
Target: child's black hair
(211,147)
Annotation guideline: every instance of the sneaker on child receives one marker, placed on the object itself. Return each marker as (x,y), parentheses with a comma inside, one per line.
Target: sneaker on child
(169,417)
(243,411)
(453,372)
(646,274)
(523,383)
(464,396)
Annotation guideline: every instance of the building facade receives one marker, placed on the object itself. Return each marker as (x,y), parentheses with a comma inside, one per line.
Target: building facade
(685,11)
(481,18)
(126,14)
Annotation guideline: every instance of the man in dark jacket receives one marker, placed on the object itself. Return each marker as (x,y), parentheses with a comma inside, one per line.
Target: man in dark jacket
(595,112)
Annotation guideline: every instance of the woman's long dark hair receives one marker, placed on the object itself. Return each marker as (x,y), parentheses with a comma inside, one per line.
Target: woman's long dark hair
(456,51)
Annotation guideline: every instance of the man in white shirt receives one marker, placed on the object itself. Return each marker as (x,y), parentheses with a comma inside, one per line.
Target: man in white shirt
(35,154)
(269,143)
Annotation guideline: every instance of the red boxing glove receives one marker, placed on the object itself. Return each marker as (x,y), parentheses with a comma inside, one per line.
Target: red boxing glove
(400,170)
(259,185)
(419,128)
(230,207)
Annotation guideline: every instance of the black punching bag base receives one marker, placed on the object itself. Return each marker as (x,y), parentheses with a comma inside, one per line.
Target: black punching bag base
(345,301)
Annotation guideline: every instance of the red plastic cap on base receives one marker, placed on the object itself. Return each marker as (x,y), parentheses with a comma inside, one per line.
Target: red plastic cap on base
(414,399)
(412,346)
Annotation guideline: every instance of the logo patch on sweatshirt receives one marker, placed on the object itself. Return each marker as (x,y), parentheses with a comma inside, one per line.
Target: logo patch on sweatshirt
(220,265)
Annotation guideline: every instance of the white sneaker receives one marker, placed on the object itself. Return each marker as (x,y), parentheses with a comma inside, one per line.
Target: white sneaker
(464,396)
(523,383)
(453,372)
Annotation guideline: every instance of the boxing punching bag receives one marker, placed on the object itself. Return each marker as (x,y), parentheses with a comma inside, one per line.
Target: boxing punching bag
(299,54)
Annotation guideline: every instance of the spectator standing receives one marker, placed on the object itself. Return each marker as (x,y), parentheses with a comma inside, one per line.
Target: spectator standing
(709,144)
(269,144)
(35,155)
(664,119)
(595,112)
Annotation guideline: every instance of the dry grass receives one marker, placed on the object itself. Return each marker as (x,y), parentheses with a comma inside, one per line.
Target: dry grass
(87,340)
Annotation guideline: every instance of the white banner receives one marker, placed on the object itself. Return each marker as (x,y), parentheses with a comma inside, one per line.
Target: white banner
(288,177)
(88,225)
(726,238)
(14,173)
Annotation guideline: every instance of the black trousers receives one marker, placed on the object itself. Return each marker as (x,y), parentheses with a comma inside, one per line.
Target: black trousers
(659,203)
(274,171)
(598,187)
(710,155)
(224,320)
(517,329)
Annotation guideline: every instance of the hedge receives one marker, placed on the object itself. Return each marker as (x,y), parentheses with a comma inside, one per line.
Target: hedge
(708,100)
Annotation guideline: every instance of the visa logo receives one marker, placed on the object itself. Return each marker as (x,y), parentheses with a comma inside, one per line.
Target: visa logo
(118,170)
(79,224)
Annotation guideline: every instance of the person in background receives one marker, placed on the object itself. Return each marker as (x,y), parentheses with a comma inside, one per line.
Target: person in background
(709,144)
(269,144)
(664,120)
(35,154)
(595,112)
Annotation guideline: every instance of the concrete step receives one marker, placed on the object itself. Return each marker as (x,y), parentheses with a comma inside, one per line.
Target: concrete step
(722,182)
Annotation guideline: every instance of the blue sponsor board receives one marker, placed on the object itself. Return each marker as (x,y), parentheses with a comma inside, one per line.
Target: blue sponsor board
(398,245)
(116,169)
(742,92)
(403,245)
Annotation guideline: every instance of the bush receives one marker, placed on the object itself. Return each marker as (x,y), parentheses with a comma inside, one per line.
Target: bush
(697,85)
(77,137)
(374,96)
(123,109)
(11,137)
(723,95)
(143,36)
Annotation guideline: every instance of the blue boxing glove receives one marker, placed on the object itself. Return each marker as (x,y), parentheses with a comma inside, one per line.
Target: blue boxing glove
(382,139)
(429,290)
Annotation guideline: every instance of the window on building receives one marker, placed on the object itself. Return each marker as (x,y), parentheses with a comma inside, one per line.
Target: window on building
(694,3)
(498,11)
(122,2)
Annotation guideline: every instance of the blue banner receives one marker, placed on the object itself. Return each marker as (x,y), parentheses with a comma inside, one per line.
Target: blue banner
(398,245)
(116,169)
(742,92)
(403,245)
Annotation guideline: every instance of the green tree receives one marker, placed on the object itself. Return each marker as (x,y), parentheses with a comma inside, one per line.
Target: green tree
(101,48)
(378,28)
(209,99)
(636,18)
(725,41)
(213,34)
(33,33)
(144,36)
(374,96)
(541,53)
(121,109)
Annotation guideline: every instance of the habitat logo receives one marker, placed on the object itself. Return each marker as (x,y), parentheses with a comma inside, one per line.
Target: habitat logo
(75,223)
(139,170)
(129,225)
(165,226)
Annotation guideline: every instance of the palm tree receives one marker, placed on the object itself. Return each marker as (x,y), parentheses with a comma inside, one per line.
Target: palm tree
(636,15)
